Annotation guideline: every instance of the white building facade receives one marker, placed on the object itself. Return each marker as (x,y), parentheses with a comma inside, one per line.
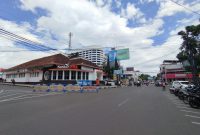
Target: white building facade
(54,69)
(96,56)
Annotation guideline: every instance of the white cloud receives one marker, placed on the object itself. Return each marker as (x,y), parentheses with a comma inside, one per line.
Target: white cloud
(90,25)
(131,12)
(168,8)
(93,24)
(9,59)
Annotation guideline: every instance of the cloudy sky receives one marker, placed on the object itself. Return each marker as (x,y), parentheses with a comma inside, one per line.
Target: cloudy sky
(147,27)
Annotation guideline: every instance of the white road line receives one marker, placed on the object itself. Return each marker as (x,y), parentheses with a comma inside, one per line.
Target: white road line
(2,91)
(14,99)
(10,95)
(197,123)
(181,104)
(184,107)
(190,111)
(192,116)
(123,102)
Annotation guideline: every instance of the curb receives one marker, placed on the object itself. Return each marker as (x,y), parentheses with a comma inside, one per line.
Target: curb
(22,85)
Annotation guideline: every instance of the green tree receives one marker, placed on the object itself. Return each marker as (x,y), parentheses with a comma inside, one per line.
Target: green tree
(190,49)
(144,76)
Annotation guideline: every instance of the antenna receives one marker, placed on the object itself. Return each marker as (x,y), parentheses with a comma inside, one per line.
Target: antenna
(70,36)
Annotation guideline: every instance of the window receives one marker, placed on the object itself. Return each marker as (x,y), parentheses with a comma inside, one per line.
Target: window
(54,75)
(14,75)
(33,74)
(60,75)
(83,75)
(87,76)
(8,76)
(66,75)
(21,75)
(73,75)
(79,75)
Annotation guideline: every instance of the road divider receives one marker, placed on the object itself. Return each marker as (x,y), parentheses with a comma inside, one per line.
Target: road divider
(64,88)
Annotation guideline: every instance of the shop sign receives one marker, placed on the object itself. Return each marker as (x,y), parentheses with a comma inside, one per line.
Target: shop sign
(180,75)
(64,66)
(68,66)
(84,82)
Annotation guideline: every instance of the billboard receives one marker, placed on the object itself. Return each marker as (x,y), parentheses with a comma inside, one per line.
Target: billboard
(112,55)
(123,54)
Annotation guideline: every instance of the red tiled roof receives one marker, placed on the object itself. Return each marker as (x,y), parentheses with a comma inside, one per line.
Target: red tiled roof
(58,59)
(80,61)
(1,69)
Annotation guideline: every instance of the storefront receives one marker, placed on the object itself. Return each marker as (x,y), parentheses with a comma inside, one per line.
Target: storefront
(54,69)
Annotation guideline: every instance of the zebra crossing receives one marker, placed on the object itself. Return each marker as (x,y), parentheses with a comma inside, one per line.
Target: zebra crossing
(7,95)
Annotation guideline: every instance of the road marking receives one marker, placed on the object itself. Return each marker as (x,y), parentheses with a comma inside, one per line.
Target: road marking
(190,111)
(123,102)
(197,123)
(14,99)
(181,104)
(10,95)
(2,91)
(184,107)
(192,116)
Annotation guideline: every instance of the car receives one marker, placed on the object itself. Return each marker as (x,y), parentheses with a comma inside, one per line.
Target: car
(180,84)
(111,82)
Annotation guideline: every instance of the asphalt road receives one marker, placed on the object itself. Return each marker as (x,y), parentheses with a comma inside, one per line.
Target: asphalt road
(120,111)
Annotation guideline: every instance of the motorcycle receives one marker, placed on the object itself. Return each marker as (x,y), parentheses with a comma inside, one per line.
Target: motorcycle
(194,100)
(189,91)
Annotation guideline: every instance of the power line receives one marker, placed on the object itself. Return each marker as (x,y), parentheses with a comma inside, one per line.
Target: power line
(185,7)
(155,58)
(35,46)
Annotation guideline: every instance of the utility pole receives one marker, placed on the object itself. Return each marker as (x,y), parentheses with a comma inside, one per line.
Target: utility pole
(70,42)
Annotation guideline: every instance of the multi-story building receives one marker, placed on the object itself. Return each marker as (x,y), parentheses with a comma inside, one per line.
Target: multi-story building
(172,70)
(96,56)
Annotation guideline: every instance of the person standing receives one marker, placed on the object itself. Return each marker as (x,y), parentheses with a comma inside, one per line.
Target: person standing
(97,82)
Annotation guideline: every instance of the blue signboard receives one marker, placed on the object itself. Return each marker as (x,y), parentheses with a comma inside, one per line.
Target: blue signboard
(84,82)
(112,55)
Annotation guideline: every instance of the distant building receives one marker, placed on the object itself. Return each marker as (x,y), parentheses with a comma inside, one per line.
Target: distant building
(92,53)
(130,73)
(171,70)
(54,69)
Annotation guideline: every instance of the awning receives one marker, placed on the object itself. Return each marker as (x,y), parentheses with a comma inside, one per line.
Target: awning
(176,76)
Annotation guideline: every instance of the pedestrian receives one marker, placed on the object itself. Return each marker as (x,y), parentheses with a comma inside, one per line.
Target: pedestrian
(163,85)
(97,82)
(13,81)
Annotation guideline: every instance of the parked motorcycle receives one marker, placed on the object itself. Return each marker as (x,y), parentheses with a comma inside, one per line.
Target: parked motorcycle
(184,92)
(194,98)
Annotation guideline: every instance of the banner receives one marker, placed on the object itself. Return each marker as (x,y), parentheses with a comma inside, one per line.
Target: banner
(123,54)
(112,55)
(84,82)
(118,72)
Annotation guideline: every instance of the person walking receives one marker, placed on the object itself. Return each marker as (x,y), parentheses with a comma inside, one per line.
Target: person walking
(163,85)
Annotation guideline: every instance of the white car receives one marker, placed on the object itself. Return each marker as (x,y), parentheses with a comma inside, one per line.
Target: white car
(180,84)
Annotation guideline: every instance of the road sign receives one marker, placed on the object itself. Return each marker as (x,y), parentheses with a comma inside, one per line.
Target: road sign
(118,72)
(123,54)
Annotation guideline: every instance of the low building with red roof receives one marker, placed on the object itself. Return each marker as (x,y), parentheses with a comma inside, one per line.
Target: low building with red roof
(57,68)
